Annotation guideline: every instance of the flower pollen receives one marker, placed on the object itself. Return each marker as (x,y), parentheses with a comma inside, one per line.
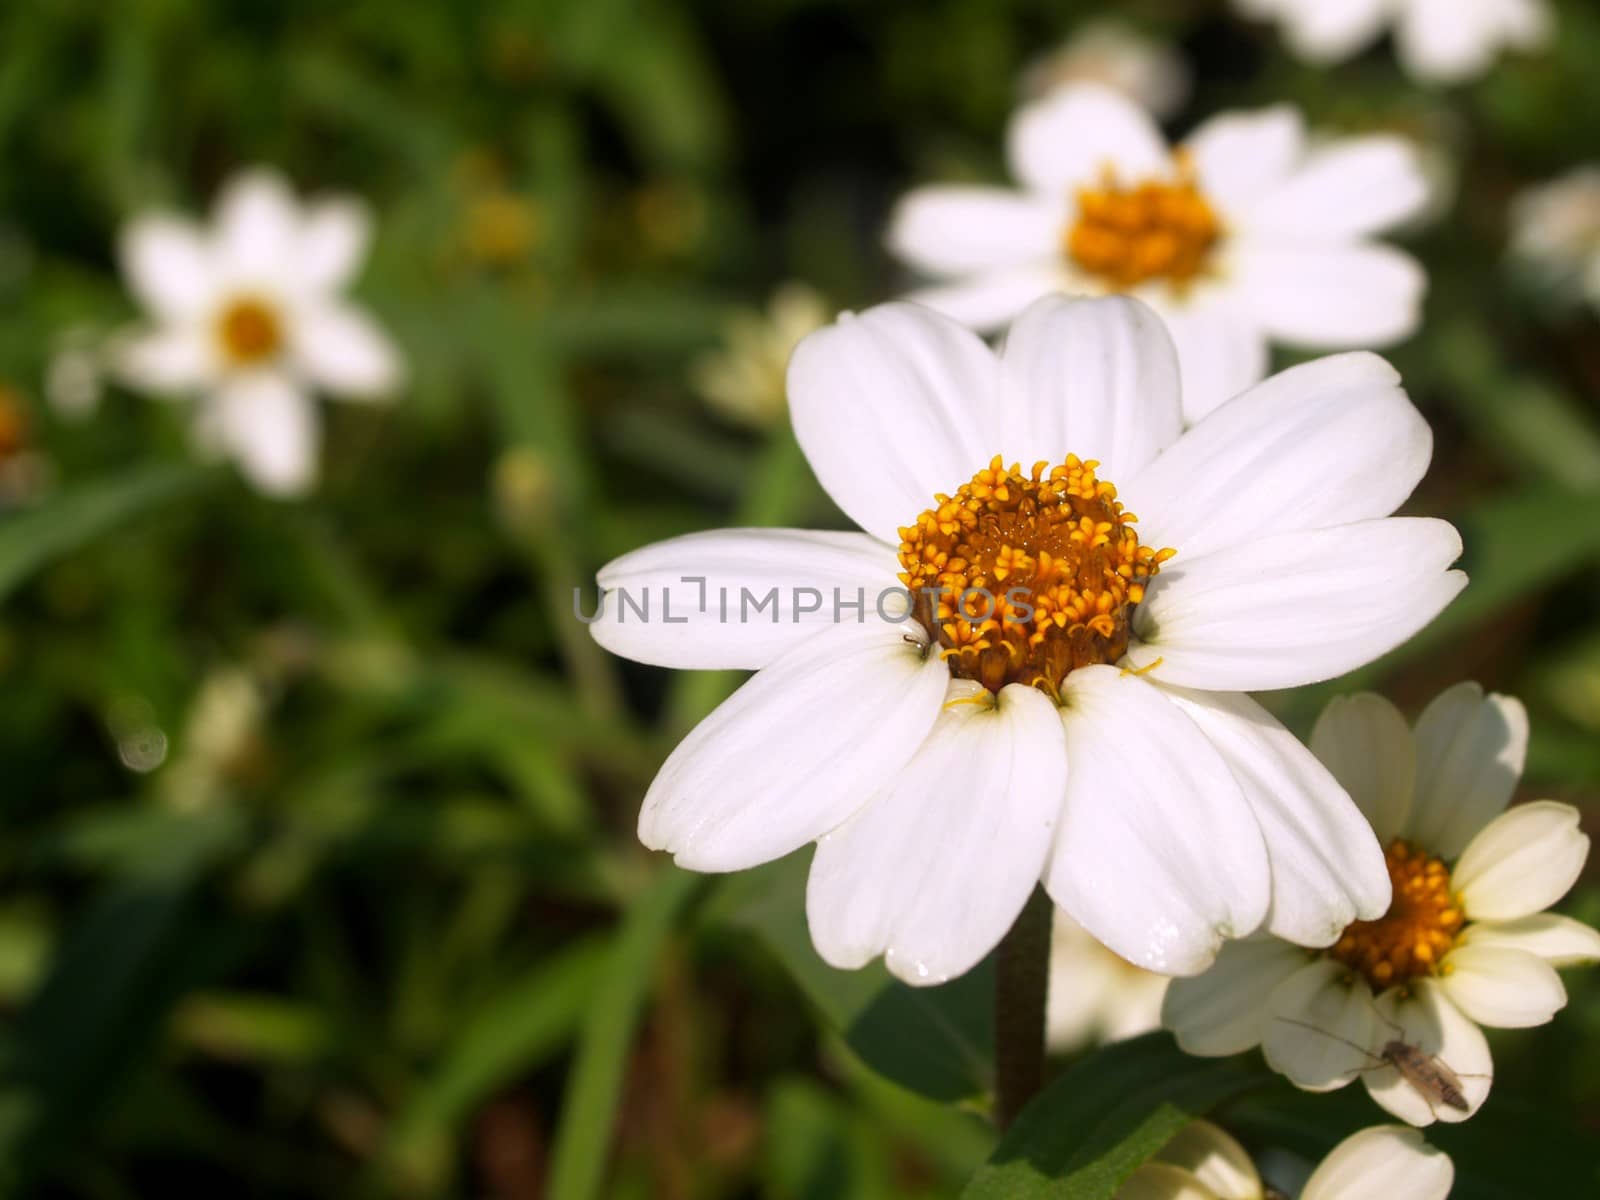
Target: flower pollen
(249,331)
(1025,578)
(1153,230)
(1416,933)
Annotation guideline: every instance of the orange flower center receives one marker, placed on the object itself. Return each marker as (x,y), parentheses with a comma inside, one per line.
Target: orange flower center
(249,331)
(1024,578)
(1127,236)
(1418,930)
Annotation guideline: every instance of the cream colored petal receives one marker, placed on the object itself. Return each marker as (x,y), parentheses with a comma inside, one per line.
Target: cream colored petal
(1560,941)
(1216,1159)
(1367,745)
(1223,1010)
(1386,1161)
(1470,751)
(1523,862)
(1501,987)
(1319,1029)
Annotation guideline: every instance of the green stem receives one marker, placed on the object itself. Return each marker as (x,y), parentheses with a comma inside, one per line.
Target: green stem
(1022,975)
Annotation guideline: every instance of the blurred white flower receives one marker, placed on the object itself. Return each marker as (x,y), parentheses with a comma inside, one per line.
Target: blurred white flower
(1555,232)
(1205,1163)
(1240,237)
(73,376)
(1440,41)
(219,736)
(743,380)
(1149,72)
(1466,941)
(922,737)
(1096,996)
(249,315)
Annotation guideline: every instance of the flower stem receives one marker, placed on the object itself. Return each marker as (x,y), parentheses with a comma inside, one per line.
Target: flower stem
(1022,974)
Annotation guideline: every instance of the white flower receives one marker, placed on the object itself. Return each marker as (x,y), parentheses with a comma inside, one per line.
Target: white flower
(249,315)
(744,379)
(1440,41)
(1205,1163)
(946,763)
(1096,996)
(1240,238)
(1466,941)
(1147,71)
(1555,231)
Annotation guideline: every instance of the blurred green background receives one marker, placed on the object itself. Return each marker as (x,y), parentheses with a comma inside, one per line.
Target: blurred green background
(317,866)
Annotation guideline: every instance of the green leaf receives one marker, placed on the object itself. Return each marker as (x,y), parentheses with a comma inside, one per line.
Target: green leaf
(936,1041)
(68,521)
(1088,1131)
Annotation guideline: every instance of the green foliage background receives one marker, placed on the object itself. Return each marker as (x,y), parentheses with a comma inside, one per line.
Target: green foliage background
(405,943)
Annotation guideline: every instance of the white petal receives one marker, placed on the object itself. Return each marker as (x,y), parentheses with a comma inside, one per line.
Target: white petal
(1297,608)
(1239,156)
(1366,743)
(1319,1027)
(1221,351)
(1329,32)
(1162,1181)
(1560,941)
(1445,41)
(1324,443)
(891,406)
(1158,854)
(987,302)
(168,267)
(1327,868)
(1330,297)
(702,601)
(258,227)
(1224,1010)
(1214,1158)
(1425,1018)
(1068,140)
(334,236)
(344,351)
(272,428)
(796,750)
(177,358)
(1522,862)
(1093,377)
(1350,188)
(1501,987)
(933,871)
(957,230)
(1385,1160)
(1470,751)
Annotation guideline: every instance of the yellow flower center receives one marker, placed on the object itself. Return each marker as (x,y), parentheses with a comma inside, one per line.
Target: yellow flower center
(1418,930)
(1153,230)
(250,331)
(1024,578)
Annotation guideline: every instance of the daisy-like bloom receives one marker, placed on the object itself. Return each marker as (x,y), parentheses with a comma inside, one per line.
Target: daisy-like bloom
(1096,996)
(248,315)
(948,752)
(1555,232)
(1241,237)
(1205,1163)
(1149,72)
(1440,41)
(743,380)
(1465,943)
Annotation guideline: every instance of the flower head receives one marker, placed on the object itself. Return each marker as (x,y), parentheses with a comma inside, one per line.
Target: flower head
(1555,232)
(249,316)
(1465,942)
(948,751)
(1240,237)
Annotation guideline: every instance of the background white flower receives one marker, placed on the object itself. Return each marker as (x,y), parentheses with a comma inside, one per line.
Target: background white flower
(1466,942)
(1441,41)
(1148,71)
(946,765)
(1096,996)
(1555,232)
(1242,237)
(249,315)
(743,379)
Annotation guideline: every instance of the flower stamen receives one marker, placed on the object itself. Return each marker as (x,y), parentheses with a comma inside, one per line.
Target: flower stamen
(1152,230)
(249,331)
(1421,926)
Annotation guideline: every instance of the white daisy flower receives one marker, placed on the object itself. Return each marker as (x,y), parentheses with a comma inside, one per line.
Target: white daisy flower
(1095,996)
(249,315)
(1439,41)
(1555,232)
(1205,1163)
(1466,942)
(1147,71)
(946,761)
(1241,237)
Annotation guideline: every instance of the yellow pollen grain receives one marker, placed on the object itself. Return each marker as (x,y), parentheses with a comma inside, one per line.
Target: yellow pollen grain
(1420,928)
(249,331)
(1023,578)
(1154,230)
